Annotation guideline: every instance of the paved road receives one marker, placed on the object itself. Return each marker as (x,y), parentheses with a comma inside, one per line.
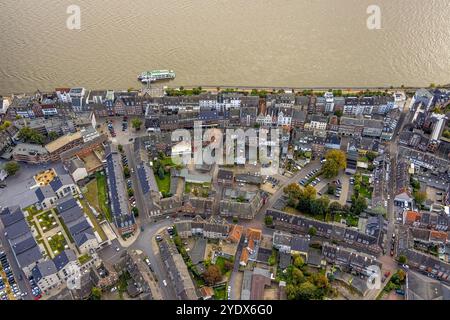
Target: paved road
(23,283)
(258,221)
(146,243)
(140,203)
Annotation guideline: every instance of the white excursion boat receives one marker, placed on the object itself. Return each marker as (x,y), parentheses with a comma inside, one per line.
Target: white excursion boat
(155,75)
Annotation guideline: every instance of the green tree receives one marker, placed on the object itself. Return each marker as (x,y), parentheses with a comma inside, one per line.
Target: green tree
(5,125)
(297,276)
(338,113)
(320,206)
(298,261)
(12,167)
(359,204)
(312,231)
(336,160)
(331,189)
(402,259)
(420,197)
(268,220)
(161,173)
(273,258)
(212,274)
(371,155)
(306,291)
(130,192)
(120,148)
(135,212)
(96,293)
(136,123)
(126,172)
(52,135)
(335,207)
(31,135)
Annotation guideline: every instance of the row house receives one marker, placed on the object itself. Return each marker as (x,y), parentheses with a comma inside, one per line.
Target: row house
(317,122)
(348,236)
(128,106)
(299,117)
(210,229)
(177,120)
(427,220)
(6,137)
(383,104)
(77,97)
(373,128)
(351,126)
(349,260)
(63,95)
(248,116)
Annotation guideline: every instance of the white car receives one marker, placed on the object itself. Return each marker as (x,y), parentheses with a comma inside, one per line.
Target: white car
(165,283)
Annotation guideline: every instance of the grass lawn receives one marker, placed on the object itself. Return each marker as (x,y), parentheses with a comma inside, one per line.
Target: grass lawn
(122,285)
(299,213)
(220,293)
(91,194)
(164,184)
(352,220)
(198,189)
(40,241)
(84,258)
(66,230)
(57,243)
(220,262)
(167,161)
(103,195)
(32,211)
(47,220)
(365,192)
(93,219)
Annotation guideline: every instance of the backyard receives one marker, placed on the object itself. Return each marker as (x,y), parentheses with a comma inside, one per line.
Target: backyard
(93,219)
(47,221)
(220,293)
(57,243)
(163,184)
(84,258)
(197,189)
(225,266)
(161,168)
(102,195)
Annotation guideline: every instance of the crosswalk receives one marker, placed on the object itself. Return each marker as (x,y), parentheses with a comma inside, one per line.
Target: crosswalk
(154,213)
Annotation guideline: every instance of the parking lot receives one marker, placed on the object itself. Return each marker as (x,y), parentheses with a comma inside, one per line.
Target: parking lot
(17,190)
(9,288)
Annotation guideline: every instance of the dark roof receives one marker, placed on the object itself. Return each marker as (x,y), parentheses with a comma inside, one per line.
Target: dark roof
(43,269)
(17,229)
(145,185)
(44,192)
(300,244)
(81,238)
(62,259)
(225,174)
(30,256)
(71,214)
(56,184)
(285,260)
(66,203)
(11,215)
